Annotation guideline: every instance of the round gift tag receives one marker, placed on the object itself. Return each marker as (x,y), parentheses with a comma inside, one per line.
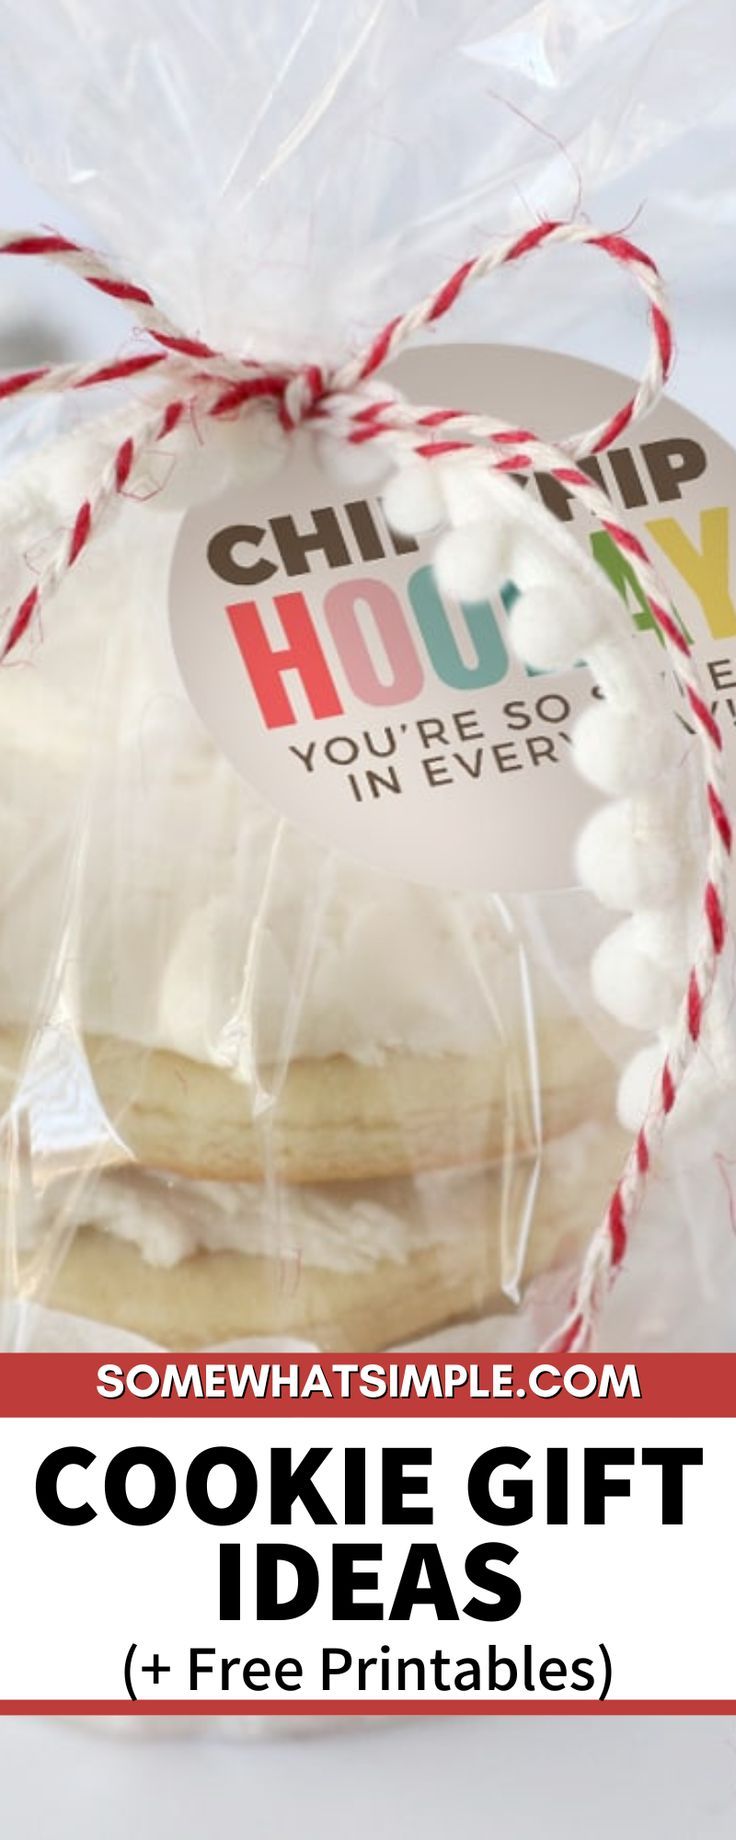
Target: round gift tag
(393,721)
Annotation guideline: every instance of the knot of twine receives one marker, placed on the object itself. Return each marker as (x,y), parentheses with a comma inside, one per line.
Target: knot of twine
(345,401)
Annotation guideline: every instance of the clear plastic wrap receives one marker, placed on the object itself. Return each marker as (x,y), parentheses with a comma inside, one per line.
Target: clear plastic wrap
(257,1092)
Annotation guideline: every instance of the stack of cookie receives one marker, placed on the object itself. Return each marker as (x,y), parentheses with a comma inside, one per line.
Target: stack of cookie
(252,1089)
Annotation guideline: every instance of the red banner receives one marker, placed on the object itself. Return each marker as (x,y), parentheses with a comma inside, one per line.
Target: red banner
(384,1386)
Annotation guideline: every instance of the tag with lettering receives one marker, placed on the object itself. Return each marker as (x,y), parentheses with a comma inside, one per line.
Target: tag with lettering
(395,724)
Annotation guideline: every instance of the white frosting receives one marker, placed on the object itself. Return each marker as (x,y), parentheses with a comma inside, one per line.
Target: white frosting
(341,1226)
(149,894)
(677,1291)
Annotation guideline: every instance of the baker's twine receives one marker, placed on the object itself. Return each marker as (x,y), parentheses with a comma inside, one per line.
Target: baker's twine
(344,401)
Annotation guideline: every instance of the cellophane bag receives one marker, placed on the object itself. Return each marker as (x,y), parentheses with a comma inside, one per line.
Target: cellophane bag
(298,1044)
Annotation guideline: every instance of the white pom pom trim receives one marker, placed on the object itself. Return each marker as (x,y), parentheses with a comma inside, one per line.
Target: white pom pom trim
(628,855)
(473,561)
(554,624)
(618,752)
(638,1085)
(663,935)
(468,493)
(350,464)
(633,987)
(413,502)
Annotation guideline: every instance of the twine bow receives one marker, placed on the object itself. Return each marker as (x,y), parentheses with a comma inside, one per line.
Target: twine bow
(344,402)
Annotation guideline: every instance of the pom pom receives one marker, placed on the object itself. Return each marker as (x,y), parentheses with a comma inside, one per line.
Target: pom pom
(219,453)
(620,751)
(662,935)
(467,490)
(637,1086)
(470,562)
(554,624)
(637,990)
(640,1083)
(351,464)
(629,855)
(413,503)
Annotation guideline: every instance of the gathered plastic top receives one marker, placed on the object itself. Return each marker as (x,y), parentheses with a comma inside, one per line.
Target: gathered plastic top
(286,177)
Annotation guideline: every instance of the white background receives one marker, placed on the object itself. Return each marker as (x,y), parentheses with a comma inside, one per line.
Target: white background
(659,1597)
(650,1779)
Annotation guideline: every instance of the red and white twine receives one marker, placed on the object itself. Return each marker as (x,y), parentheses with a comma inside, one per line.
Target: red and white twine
(343,402)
